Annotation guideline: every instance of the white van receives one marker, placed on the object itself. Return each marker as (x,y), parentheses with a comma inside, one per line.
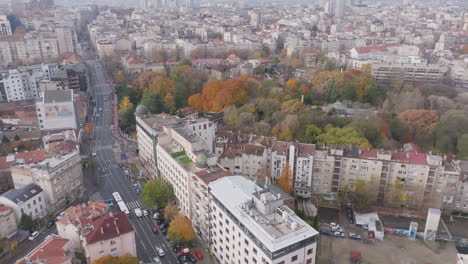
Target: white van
(34,235)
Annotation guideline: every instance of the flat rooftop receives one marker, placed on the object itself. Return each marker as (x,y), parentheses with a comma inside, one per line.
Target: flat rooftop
(273,230)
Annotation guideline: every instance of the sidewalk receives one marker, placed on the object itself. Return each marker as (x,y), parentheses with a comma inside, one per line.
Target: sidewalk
(207,258)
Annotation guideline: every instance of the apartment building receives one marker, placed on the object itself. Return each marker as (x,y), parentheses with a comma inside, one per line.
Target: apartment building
(385,72)
(180,153)
(5,27)
(300,158)
(200,202)
(56,110)
(29,200)
(149,127)
(22,83)
(109,235)
(53,250)
(61,178)
(74,219)
(9,225)
(252,225)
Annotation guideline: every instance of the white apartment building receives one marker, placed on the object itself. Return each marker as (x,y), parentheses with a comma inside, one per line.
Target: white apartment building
(21,83)
(56,110)
(180,153)
(9,226)
(29,200)
(5,27)
(252,225)
(300,158)
(150,126)
(61,178)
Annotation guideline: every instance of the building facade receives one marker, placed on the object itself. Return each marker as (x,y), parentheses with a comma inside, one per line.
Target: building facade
(252,225)
(56,110)
(9,225)
(29,200)
(61,178)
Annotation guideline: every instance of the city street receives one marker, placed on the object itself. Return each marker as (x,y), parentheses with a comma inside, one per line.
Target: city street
(113,178)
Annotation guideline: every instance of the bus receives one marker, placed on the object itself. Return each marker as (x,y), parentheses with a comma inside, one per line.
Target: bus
(123,207)
(117,197)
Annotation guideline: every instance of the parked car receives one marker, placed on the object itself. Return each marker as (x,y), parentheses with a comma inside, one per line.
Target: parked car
(50,224)
(354,236)
(34,235)
(182,259)
(154,229)
(336,229)
(338,234)
(160,251)
(325,232)
(145,212)
(156,260)
(199,255)
(192,258)
(332,225)
(156,215)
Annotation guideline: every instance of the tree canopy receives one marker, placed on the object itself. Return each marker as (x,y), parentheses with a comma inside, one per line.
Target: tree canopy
(157,194)
(285,180)
(109,259)
(346,136)
(181,230)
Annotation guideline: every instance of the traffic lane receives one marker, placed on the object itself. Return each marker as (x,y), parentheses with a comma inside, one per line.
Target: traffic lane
(27,246)
(142,254)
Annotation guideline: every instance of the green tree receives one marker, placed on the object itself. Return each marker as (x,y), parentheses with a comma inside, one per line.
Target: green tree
(17,138)
(311,133)
(157,194)
(153,101)
(346,136)
(398,130)
(349,92)
(27,223)
(463,147)
(315,223)
(450,127)
(5,140)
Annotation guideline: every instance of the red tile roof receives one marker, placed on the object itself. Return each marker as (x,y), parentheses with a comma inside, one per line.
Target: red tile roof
(4,208)
(73,214)
(52,251)
(28,157)
(374,49)
(107,227)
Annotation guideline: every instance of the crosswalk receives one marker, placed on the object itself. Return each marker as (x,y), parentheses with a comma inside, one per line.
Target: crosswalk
(134,204)
(100,147)
(96,197)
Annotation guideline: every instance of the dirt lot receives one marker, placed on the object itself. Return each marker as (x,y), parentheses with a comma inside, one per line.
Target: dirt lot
(393,250)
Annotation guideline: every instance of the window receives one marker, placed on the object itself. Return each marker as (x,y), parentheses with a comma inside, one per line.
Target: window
(309,261)
(294,258)
(113,249)
(254,250)
(310,251)
(246,252)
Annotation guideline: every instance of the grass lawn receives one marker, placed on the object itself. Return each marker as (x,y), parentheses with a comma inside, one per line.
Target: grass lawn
(134,169)
(185,160)
(178,154)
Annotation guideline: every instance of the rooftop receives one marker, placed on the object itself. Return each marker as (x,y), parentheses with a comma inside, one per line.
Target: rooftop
(22,195)
(57,96)
(277,229)
(73,214)
(107,227)
(23,157)
(52,251)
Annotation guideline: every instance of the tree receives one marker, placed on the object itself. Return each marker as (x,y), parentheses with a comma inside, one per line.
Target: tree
(346,136)
(20,145)
(153,101)
(395,195)
(291,84)
(311,133)
(125,105)
(88,128)
(262,128)
(286,129)
(398,130)
(463,147)
(315,223)
(27,223)
(17,138)
(109,259)
(246,121)
(418,121)
(181,230)
(231,117)
(157,194)
(285,180)
(292,106)
(5,139)
(451,126)
(170,211)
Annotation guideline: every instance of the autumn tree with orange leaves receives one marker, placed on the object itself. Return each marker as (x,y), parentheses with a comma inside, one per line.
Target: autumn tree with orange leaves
(285,180)
(217,95)
(180,229)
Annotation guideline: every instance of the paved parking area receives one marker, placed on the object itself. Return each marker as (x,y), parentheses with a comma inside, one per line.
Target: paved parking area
(393,250)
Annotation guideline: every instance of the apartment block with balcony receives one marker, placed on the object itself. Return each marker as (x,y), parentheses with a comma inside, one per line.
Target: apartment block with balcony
(252,225)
